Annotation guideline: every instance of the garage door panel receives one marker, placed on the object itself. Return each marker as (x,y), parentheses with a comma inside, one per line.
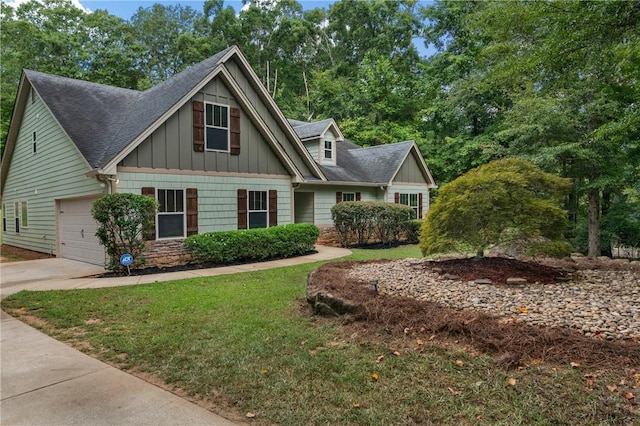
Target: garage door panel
(77,232)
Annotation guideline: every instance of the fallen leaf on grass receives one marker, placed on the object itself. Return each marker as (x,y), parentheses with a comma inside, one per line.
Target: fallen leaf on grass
(629,396)
(250,415)
(459,362)
(575,364)
(523,310)
(396,353)
(612,388)
(512,381)
(453,391)
(265,371)
(420,342)
(590,383)
(356,405)
(375,376)
(380,358)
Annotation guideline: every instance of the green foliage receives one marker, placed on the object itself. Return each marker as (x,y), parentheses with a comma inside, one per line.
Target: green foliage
(412,231)
(124,220)
(357,222)
(503,200)
(249,245)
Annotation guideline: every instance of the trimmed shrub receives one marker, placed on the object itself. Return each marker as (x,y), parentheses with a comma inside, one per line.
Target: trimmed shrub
(123,221)
(358,221)
(412,231)
(250,245)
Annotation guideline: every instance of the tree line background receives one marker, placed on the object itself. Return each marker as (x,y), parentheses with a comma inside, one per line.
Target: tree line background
(555,82)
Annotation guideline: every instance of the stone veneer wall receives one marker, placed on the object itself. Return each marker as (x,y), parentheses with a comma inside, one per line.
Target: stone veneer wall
(162,253)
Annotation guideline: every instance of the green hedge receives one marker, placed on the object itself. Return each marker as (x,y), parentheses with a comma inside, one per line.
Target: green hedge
(250,245)
(357,222)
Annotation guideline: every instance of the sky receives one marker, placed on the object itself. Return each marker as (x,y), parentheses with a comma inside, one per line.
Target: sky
(127,8)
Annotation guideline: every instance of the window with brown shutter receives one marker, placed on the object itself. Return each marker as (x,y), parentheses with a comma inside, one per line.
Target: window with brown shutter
(419,205)
(273,207)
(234,129)
(242,209)
(396,198)
(192,211)
(150,192)
(338,197)
(198,126)
(358,196)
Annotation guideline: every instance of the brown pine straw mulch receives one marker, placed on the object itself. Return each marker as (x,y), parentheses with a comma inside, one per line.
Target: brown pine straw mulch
(512,342)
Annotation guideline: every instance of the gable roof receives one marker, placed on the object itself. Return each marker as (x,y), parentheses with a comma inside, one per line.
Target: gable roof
(102,120)
(106,123)
(316,129)
(375,165)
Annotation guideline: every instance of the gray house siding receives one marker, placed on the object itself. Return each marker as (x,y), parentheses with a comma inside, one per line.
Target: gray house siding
(55,171)
(409,172)
(217,195)
(171,145)
(325,198)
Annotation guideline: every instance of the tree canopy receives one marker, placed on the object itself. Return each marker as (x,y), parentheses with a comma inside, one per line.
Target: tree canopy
(555,82)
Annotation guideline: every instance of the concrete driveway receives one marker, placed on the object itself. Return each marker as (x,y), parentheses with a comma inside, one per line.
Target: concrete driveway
(16,276)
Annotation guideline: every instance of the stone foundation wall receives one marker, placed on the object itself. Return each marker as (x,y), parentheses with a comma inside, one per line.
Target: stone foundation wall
(328,236)
(163,253)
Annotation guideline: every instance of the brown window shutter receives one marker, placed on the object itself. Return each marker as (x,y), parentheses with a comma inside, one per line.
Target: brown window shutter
(198,126)
(192,211)
(242,209)
(338,197)
(234,130)
(419,205)
(358,196)
(150,192)
(396,197)
(273,207)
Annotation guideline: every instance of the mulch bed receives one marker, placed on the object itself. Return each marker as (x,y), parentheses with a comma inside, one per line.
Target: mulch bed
(513,343)
(22,253)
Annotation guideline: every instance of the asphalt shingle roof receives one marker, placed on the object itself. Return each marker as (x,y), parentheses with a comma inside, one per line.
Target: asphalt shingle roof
(102,120)
(306,130)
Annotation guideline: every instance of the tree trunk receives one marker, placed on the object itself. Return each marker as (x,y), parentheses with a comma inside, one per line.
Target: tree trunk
(594,222)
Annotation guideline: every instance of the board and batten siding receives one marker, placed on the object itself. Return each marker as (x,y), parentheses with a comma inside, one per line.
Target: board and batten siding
(217,195)
(55,171)
(410,172)
(171,145)
(325,198)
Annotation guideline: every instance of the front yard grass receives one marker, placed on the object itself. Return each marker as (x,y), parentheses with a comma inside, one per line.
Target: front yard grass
(246,343)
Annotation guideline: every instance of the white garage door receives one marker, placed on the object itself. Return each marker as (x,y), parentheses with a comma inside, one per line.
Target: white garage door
(78,239)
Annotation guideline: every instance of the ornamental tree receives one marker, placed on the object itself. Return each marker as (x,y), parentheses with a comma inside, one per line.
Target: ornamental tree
(500,201)
(124,220)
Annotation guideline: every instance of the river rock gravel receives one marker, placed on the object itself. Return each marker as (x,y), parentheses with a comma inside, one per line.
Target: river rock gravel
(599,303)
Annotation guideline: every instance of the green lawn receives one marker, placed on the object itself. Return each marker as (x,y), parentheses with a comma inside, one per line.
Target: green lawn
(246,342)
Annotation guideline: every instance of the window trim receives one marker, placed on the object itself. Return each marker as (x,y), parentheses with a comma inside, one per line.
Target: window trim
(410,195)
(351,194)
(212,126)
(331,150)
(265,210)
(4,217)
(24,214)
(184,214)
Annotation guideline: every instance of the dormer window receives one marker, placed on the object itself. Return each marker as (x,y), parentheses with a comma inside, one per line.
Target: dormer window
(328,149)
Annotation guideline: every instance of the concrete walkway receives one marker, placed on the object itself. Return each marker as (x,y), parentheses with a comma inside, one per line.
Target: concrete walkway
(45,382)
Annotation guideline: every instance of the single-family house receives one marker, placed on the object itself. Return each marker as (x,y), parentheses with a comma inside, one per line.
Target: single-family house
(209,144)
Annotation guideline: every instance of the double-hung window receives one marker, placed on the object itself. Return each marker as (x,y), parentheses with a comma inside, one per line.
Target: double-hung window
(258,209)
(216,127)
(328,149)
(171,215)
(348,196)
(410,200)
(24,214)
